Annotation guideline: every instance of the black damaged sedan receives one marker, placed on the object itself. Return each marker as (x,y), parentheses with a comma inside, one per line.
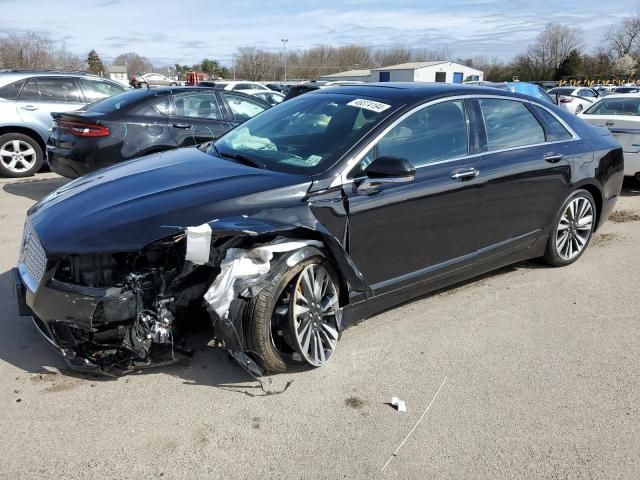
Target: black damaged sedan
(309,217)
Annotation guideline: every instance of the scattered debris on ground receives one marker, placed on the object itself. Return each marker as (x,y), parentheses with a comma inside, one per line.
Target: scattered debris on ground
(602,239)
(401,407)
(354,402)
(623,216)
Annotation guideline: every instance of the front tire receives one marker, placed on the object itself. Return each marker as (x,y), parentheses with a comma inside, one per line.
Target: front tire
(274,313)
(573,229)
(20,155)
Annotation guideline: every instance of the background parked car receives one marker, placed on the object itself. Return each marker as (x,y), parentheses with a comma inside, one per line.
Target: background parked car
(574,99)
(144,121)
(272,98)
(621,115)
(239,85)
(525,88)
(156,79)
(27,98)
(625,90)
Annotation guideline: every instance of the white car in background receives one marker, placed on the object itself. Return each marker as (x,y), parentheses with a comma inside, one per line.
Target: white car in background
(574,99)
(240,85)
(621,115)
(269,96)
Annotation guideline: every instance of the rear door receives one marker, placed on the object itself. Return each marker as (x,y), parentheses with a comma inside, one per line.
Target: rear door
(197,117)
(527,170)
(42,95)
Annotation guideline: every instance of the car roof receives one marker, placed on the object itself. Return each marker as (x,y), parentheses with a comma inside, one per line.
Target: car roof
(415,92)
(9,76)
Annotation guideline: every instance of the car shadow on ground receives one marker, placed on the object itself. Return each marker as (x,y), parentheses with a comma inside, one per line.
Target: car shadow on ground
(630,187)
(22,346)
(34,189)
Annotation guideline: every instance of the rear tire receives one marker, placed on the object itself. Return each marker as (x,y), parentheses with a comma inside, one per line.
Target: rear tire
(573,229)
(20,155)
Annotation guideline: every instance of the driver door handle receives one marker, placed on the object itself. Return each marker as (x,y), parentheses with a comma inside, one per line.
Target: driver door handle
(184,126)
(466,174)
(29,108)
(553,157)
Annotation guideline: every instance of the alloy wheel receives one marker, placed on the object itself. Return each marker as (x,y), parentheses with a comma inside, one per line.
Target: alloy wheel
(574,228)
(314,315)
(18,156)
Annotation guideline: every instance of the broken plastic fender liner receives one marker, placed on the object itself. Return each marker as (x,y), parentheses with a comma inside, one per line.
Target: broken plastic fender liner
(241,268)
(198,244)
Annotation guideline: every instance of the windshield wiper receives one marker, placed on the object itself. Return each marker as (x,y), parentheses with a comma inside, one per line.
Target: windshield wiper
(241,158)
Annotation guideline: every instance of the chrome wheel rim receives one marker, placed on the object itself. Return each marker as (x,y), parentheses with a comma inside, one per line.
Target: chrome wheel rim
(574,228)
(314,315)
(17,156)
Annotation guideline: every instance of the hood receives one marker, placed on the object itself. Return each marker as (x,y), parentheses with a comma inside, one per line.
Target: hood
(127,206)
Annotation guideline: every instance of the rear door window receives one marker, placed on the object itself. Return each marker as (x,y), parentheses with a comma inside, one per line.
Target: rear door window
(554,129)
(52,89)
(509,124)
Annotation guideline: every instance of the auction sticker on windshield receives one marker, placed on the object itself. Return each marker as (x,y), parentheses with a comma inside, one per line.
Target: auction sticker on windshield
(369,105)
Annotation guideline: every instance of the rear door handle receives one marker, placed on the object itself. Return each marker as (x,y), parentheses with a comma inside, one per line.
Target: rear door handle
(29,108)
(466,174)
(553,157)
(184,126)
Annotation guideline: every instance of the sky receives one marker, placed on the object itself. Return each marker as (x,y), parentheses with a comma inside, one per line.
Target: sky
(186,31)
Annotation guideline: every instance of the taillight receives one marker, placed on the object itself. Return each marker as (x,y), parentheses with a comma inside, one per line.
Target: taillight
(566,100)
(81,129)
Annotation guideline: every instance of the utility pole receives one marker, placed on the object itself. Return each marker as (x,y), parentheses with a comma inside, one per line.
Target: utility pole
(284,56)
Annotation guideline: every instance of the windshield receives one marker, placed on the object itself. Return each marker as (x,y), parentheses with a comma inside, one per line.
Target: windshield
(615,106)
(116,102)
(305,135)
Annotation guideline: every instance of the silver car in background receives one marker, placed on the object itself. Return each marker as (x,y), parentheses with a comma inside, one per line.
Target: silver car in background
(27,98)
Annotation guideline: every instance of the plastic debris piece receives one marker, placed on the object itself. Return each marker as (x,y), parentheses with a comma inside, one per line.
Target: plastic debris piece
(198,244)
(401,407)
(249,266)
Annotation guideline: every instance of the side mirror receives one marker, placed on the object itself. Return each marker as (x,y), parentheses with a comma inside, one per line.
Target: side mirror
(387,169)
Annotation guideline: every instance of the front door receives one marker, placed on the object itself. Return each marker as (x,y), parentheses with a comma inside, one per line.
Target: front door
(197,117)
(406,231)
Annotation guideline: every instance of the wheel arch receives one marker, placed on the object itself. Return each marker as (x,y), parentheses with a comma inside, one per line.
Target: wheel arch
(596,193)
(30,132)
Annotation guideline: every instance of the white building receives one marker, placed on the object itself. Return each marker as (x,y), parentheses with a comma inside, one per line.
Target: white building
(119,74)
(439,71)
(349,75)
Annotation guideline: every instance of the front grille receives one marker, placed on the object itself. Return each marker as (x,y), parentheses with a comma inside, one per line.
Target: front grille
(33,259)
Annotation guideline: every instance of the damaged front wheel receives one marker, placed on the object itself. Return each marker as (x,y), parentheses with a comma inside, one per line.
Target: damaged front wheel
(296,318)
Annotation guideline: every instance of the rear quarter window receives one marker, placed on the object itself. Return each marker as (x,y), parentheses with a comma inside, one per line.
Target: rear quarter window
(11,91)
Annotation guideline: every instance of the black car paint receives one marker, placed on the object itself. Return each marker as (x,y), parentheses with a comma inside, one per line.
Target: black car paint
(134,132)
(392,245)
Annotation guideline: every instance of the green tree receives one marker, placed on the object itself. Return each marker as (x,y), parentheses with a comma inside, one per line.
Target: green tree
(212,67)
(94,62)
(570,66)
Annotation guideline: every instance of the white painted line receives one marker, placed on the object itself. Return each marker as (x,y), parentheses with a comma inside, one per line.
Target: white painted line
(395,454)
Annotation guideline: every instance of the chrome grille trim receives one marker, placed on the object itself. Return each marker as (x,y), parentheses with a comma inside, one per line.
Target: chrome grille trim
(33,258)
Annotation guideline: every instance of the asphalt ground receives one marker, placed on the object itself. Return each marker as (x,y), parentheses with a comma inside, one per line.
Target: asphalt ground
(541,367)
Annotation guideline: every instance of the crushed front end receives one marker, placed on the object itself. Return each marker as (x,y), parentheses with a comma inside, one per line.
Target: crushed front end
(111,311)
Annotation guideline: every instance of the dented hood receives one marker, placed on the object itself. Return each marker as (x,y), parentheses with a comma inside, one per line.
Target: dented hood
(127,206)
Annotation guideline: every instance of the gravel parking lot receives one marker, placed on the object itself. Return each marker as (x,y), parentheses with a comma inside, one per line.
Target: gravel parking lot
(541,367)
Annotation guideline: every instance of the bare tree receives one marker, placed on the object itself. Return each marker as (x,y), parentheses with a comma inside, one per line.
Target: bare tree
(552,47)
(253,64)
(134,62)
(624,38)
(32,50)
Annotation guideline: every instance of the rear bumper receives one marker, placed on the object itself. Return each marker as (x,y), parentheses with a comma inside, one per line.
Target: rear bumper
(61,164)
